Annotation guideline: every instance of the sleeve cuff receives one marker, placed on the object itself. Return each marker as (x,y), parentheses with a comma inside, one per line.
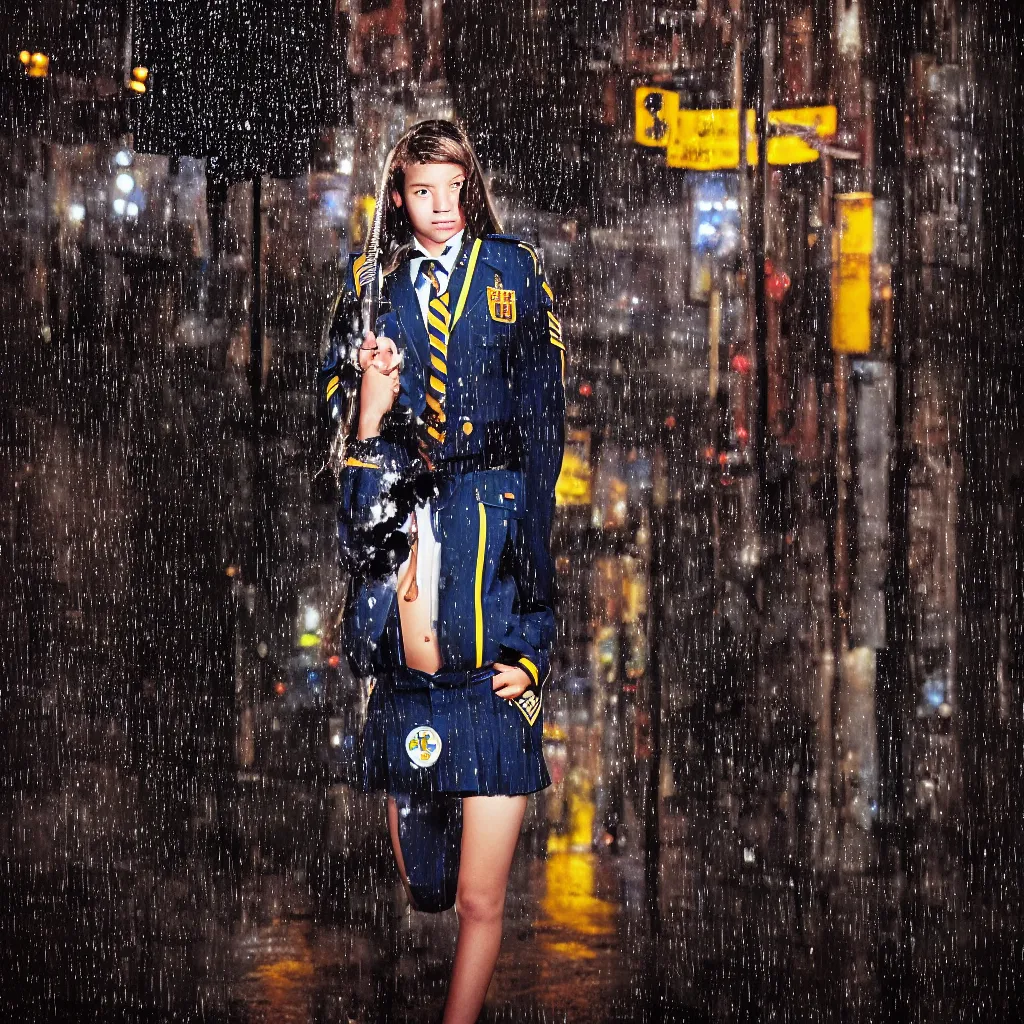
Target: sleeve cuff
(531,669)
(533,662)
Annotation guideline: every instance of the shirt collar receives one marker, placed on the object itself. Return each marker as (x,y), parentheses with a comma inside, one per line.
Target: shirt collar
(447,260)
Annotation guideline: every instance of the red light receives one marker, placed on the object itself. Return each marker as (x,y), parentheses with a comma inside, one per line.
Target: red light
(742,364)
(586,390)
(334,661)
(776,284)
(670,422)
(280,688)
(742,434)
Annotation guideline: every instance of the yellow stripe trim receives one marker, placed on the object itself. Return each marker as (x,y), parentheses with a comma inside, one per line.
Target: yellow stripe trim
(439,325)
(464,294)
(332,386)
(547,288)
(530,668)
(478,590)
(356,267)
(437,385)
(436,435)
(436,406)
(557,344)
(441,307)
(359,464)
(438,364)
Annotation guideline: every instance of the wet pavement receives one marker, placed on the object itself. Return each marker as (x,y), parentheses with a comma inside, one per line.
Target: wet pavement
(139,882)
(120,903)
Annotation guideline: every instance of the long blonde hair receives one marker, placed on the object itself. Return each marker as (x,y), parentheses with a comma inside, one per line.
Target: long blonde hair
(434,141)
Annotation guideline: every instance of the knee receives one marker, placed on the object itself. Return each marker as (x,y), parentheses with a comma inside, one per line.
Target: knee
(479,907)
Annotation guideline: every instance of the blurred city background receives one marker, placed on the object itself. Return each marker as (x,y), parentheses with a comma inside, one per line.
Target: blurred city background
(786,723)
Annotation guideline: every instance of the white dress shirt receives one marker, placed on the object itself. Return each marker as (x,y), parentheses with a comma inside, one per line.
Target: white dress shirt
(428,555)
(447,260)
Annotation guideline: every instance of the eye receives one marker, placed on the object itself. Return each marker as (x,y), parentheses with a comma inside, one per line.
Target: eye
(420,192)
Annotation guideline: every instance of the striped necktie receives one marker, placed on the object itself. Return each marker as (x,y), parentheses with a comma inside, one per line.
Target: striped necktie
(438,328)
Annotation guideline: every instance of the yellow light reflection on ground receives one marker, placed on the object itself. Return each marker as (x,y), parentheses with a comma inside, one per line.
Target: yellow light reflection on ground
(570,902)
(282,985)
(570,909)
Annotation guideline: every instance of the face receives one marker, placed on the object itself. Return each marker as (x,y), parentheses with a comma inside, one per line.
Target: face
(432,199)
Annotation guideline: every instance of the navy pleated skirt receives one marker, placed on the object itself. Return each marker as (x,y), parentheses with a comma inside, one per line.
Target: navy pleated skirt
(451,733)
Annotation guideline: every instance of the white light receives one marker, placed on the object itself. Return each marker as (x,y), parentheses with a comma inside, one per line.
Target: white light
(731,204)
(719,205)
(119,207)
(705,206)
(311,620)
(346,165)
(335,739)
(123,158)
(76,213)
(706,230)
(132,210)
(125,183)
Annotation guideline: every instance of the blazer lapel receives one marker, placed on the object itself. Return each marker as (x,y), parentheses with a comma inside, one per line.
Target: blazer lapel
(407,306)
(405,302)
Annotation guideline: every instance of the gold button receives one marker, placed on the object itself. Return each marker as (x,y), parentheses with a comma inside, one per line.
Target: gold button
(467,427)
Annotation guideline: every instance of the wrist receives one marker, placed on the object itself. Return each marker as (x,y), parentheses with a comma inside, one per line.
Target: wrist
(369,426)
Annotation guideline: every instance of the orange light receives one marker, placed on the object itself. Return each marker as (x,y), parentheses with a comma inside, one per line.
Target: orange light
(140,74)
(38,65)
(136,86)
(280,688)
(232,570)
(334,661)
(24,56)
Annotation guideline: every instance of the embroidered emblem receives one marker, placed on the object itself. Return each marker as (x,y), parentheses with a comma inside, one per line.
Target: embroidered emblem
(529,705)
(502,304)
(423,746)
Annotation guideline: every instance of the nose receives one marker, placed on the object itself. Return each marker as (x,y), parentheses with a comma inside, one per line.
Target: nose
(443,204)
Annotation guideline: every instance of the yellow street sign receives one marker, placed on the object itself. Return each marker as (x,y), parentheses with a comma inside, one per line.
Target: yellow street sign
(852,244)
(709,140)
(655,113)
(791,149)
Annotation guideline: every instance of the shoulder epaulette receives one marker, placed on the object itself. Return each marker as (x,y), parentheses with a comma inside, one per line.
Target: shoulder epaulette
(515,240)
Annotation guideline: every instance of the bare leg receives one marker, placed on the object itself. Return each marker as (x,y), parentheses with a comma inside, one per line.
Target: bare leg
(490,831)
(396,846)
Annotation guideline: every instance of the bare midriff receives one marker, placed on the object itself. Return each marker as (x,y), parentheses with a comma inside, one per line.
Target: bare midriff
(419,640)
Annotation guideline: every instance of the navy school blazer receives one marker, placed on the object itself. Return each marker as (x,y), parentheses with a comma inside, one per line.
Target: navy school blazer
(504,439)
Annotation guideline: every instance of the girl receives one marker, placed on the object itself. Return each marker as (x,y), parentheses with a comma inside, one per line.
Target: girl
(444,525)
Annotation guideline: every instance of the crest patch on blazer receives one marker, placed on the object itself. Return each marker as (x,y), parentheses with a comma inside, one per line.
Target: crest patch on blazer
(502,304)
